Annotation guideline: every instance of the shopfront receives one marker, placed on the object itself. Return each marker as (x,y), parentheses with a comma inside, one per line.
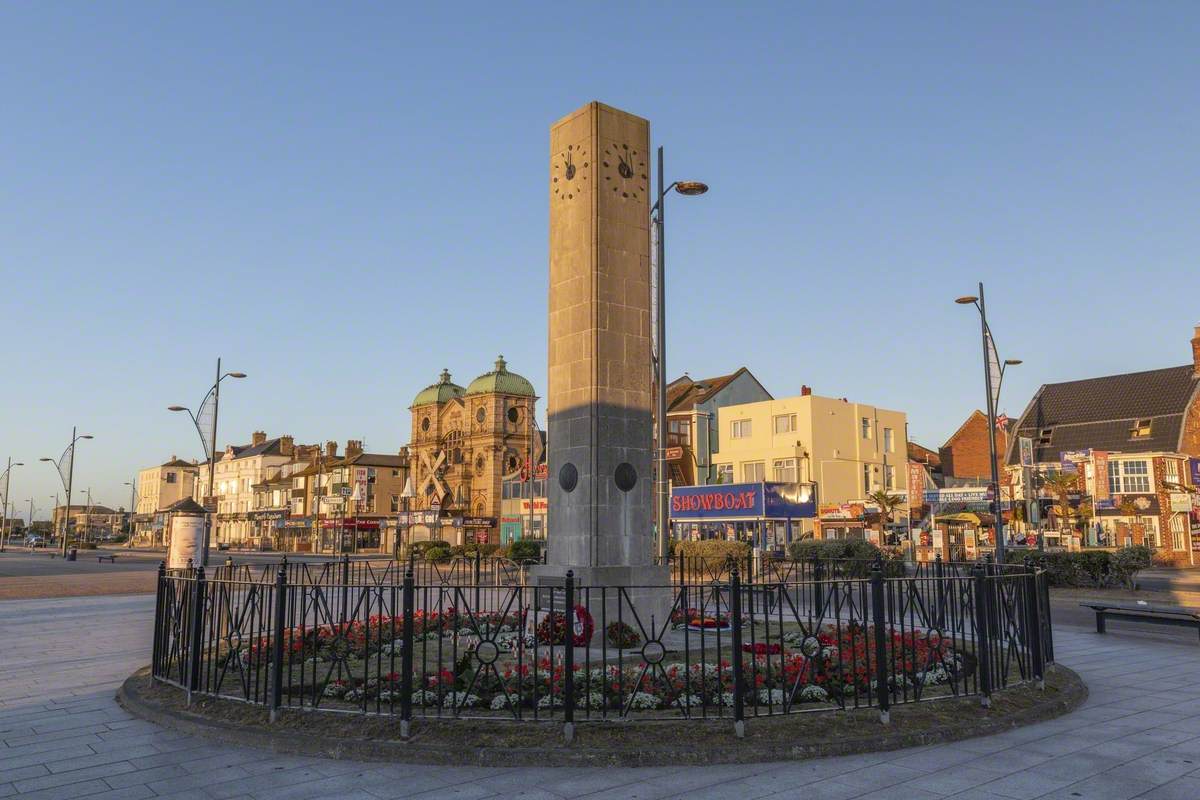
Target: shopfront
(764,515)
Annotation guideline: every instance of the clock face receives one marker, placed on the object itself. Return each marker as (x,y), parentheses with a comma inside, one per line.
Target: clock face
(625,171)
(568,173)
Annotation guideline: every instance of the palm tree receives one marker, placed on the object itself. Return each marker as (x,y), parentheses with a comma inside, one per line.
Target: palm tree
(1061,484)
(888,503)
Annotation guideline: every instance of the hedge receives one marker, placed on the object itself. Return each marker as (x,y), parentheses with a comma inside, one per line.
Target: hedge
(1090,568)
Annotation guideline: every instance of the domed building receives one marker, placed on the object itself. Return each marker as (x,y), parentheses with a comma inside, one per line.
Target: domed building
(464,443)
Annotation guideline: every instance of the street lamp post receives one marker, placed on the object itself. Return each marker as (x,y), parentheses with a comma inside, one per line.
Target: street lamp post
(991,361)
(210,443)
(133,499)
(406,496)
(7,476)
(657,214)
(68,483)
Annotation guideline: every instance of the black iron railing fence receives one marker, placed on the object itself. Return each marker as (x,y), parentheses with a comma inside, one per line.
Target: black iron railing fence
(429,644)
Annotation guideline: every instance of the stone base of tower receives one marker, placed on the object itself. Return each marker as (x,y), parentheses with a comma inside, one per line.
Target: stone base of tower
(630,594)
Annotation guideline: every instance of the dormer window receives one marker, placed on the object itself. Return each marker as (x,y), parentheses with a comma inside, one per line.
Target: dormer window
(1140,429)
(1044,436)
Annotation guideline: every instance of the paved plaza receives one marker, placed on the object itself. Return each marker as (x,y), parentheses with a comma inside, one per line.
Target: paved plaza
(64,736)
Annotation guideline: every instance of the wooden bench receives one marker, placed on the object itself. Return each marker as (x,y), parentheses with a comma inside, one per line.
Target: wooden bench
(112,559)
(1155,615)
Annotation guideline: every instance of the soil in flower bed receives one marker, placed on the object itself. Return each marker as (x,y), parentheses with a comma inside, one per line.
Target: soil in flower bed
(506,743)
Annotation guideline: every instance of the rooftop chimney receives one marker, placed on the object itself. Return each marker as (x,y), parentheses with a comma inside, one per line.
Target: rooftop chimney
(353,448)
(257,438)
(1196,352)
(805,390)
(286,444)
(331,449)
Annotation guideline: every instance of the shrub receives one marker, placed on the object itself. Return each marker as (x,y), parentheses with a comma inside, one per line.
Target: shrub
(622,636)
(433,550)
(713,551)
(525,550)
(1128,562)
(856,549)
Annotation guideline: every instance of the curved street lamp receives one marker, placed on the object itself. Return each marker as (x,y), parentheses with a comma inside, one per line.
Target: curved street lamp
(210,443)
(657,213)
(68,456)
(990,358)
(6,476)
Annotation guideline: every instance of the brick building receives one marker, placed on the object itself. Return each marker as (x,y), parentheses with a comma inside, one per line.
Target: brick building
(1134,442)
(965,454)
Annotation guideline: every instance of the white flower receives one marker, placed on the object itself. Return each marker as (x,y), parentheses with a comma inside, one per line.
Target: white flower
(690,701)
(550,701)
(594,701)
(501,702)
(644,701)
(727,699)
(459,700)
(813,694)
(424,697)
(334,690)
(772,696)
(353,696)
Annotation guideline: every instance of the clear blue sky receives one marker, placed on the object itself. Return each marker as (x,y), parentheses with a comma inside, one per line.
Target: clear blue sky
(342,199)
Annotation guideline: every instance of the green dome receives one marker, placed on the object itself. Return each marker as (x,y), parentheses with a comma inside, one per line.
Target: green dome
(501,381)
(439,392)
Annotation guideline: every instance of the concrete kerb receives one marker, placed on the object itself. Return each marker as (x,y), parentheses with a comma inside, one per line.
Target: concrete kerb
(781,738)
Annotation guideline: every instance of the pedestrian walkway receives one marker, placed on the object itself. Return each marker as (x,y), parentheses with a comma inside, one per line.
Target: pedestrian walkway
(63,736)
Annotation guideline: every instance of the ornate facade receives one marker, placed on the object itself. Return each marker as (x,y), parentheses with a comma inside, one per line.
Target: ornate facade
(465,442)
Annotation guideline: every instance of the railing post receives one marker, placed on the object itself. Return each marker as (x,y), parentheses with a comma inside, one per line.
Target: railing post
(281,593)
(345,586)
(983,649)
(406,656)
(1033,624)
(159,620)
(477,567)
(818,598)
(569,658)
(878,619)
(939,572)
(1044,616)
(197,634)
(735,613)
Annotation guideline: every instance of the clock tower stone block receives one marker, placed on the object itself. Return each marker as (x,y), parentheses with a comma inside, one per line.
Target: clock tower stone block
(599,396)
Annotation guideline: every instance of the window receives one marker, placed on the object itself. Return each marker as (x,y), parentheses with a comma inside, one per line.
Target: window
(1044,436)
(1171,470)
(785,423)
(866,427)
(1129,477)
(170,477)
(889,443)
(866,478)
(740,429)
(724,473)
(1140,429)
(753,472)
(395,502)
(889,476)
(679,432)
(784,469)
(1178,528)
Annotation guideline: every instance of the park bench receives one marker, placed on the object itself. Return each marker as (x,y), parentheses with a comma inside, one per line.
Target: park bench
(1155,615)
(112,559)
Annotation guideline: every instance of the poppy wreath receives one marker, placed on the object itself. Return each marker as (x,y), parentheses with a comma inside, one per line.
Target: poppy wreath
(553,627)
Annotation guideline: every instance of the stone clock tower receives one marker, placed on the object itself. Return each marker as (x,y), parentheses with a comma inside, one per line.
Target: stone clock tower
(599,486)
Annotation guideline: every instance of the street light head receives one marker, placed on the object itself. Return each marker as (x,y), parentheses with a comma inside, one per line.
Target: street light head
(87,436)
(966,300)
(19,464)
(237,374)
(691,188)
(1012,362)
(176,408)
(51,460)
